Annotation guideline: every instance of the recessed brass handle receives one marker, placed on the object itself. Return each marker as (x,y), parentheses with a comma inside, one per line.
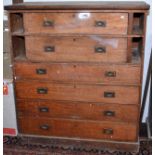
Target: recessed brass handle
(100,23)
(108,131)
(109,113)
(48,23)
(110,74)
(44,127)
(43,109)
(100,49)
(109,94)
(40,71)
(42,90)
(49,48)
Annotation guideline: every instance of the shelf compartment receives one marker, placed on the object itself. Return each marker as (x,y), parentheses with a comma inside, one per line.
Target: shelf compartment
(16,22)
(137,47)
(138,23)
(18,46)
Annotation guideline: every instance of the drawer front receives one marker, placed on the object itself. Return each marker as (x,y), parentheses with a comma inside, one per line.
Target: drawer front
(78,129)
(80,110)
(70,72)
(77,49)
(93,23)
(75,92)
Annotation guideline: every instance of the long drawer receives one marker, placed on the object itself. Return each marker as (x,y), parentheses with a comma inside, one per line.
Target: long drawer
(78,72)
(77,92)
(75,22)
(78,129)
(78,110)
(77,49)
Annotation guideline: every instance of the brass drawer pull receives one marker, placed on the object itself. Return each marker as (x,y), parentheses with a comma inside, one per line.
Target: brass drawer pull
(110,74)
(40,71)
(100,23)
(43,109)
(42,90)
(49,48)
(109,94)
(109,113)
(48,23)
(108,131)
(44,127)
(100,49)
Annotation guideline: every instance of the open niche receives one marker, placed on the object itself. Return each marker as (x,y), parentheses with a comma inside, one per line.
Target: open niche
(18,46)
(138,23)
(16,23)
(137,48)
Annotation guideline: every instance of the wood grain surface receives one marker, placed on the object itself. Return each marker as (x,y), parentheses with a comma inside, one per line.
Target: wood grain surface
(79,72)
(76,49)
(85,23)
(77,92)
(99,5)
(78,110)
(77,129)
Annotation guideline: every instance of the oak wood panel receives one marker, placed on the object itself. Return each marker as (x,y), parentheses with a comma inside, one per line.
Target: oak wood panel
(76,92)
(76,23)
(76,49)
(98,5)
(78,110)
(77,129)
(78,72)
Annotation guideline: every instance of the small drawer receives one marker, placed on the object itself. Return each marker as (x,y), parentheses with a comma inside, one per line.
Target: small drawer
(84,23)
(78,110)
(78,129)
(79,72)
(77,92)
(77,49)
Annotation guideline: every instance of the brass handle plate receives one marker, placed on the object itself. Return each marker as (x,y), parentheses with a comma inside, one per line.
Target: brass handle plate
(42,90)
(49,48)
(109,94)
(109,113)
(43,109)
(100,49)
(40,71)
(48,23)
(108,131)
(44,127)
(100,23)
(110,74)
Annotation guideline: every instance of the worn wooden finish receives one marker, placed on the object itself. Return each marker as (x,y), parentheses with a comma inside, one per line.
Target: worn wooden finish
(62,82)
(76,49)
(98,5)
(76,23)
(78,11)
(77,92)
(77,128)
(16,21)
(77,72)
(129,51)
(130,23)
(77,110)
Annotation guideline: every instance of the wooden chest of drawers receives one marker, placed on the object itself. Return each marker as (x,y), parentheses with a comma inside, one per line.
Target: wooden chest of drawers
(78,69)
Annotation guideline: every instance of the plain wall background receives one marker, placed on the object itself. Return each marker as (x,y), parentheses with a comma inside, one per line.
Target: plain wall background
(148,39)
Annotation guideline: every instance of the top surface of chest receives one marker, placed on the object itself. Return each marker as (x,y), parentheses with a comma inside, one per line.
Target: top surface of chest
(98,5)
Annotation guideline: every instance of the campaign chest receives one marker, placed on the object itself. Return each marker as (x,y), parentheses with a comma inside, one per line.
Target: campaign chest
(78,68)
